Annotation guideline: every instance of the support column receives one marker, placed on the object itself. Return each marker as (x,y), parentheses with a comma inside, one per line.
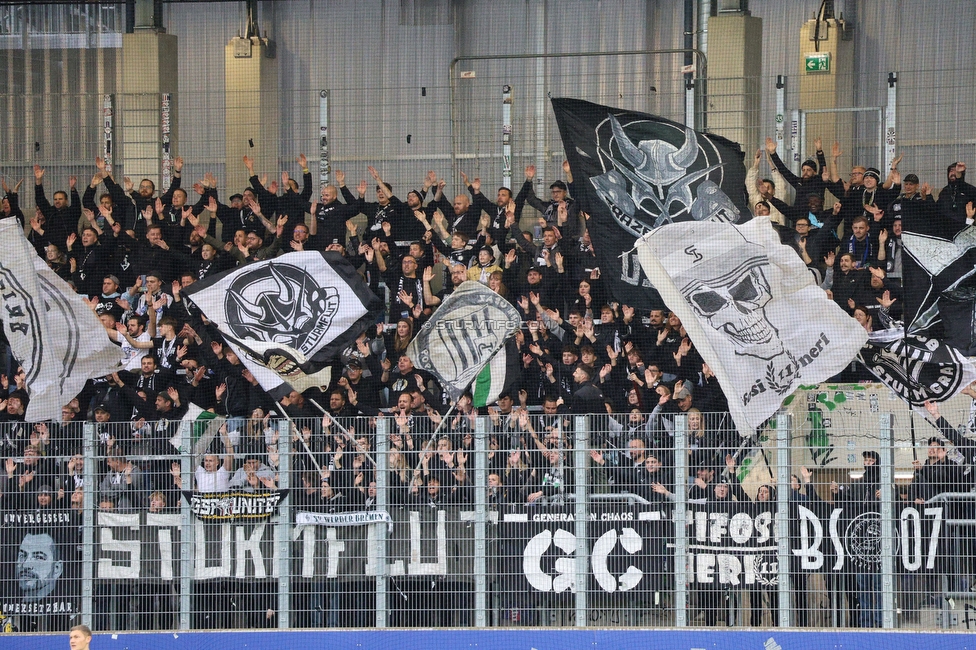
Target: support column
(784,435)
(734,79)
(251,109)
(581,447)
(826,82)
(889,525)
(148,134)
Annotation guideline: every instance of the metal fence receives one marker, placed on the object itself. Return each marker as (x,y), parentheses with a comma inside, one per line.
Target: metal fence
(520,519)
(490,125)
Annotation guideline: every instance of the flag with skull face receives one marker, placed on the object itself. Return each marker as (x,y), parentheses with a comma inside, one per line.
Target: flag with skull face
(636,172)
(289,317)
(752,310)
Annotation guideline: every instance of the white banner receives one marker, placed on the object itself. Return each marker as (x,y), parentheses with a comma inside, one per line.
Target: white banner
(360,518)
(752,309)
(53,333)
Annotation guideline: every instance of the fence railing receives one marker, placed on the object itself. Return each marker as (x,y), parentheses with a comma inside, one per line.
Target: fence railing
(514,520)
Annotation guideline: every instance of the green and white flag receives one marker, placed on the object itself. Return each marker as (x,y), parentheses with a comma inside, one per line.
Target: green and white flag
(465,341)
(203,426)
(497,376)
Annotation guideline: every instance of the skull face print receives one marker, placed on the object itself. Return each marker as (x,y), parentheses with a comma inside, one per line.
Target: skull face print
(734,304)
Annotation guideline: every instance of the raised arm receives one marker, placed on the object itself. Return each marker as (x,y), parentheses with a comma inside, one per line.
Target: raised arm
(774,158)
(379,182)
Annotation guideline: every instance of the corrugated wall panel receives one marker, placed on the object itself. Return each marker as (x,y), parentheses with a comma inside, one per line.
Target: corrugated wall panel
(386,64)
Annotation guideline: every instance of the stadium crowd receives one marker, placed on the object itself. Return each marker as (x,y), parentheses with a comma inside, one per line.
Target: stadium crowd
(132,252)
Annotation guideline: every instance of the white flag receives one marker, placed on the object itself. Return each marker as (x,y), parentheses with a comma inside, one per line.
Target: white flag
(468,331)
(289,317)
(53,333)
(752,309)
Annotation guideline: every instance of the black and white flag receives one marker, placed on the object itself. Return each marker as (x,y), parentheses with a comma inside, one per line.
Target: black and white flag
(916,368)
(467,331)
(939,276)
(289,317)
(52,332)
(636,172)
(751,308)
(926,359)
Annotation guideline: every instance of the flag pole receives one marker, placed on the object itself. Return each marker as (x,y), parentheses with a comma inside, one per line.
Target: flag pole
(433,436)
(911,415)
(300,437)
(447,415)
(343,429)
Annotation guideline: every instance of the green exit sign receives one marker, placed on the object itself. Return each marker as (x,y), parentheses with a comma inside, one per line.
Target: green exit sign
(817,62)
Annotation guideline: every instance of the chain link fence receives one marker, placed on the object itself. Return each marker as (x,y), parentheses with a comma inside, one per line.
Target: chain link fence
(519,519)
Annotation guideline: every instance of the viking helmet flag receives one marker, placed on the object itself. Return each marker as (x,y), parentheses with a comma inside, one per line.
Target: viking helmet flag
(636,172)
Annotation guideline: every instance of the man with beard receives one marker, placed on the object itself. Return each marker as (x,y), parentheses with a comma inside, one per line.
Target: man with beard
(254,250)
(937,475)
(421,216)
(860,245)
(587,397)
(460,215)
(809,180)
(850,284)
(406,286)
(39,566)
(107,302)
(498,212)
(458,275)
(143,197)
(956,194)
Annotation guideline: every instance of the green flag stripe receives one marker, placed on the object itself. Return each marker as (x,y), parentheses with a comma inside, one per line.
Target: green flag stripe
(482,386)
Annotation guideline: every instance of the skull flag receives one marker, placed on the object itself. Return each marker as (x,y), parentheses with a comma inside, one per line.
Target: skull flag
(752,310)
(465,336)
(635,172)
(289,317)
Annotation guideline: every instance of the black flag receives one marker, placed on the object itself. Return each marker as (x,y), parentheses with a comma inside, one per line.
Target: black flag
(635,172)
(939,273)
